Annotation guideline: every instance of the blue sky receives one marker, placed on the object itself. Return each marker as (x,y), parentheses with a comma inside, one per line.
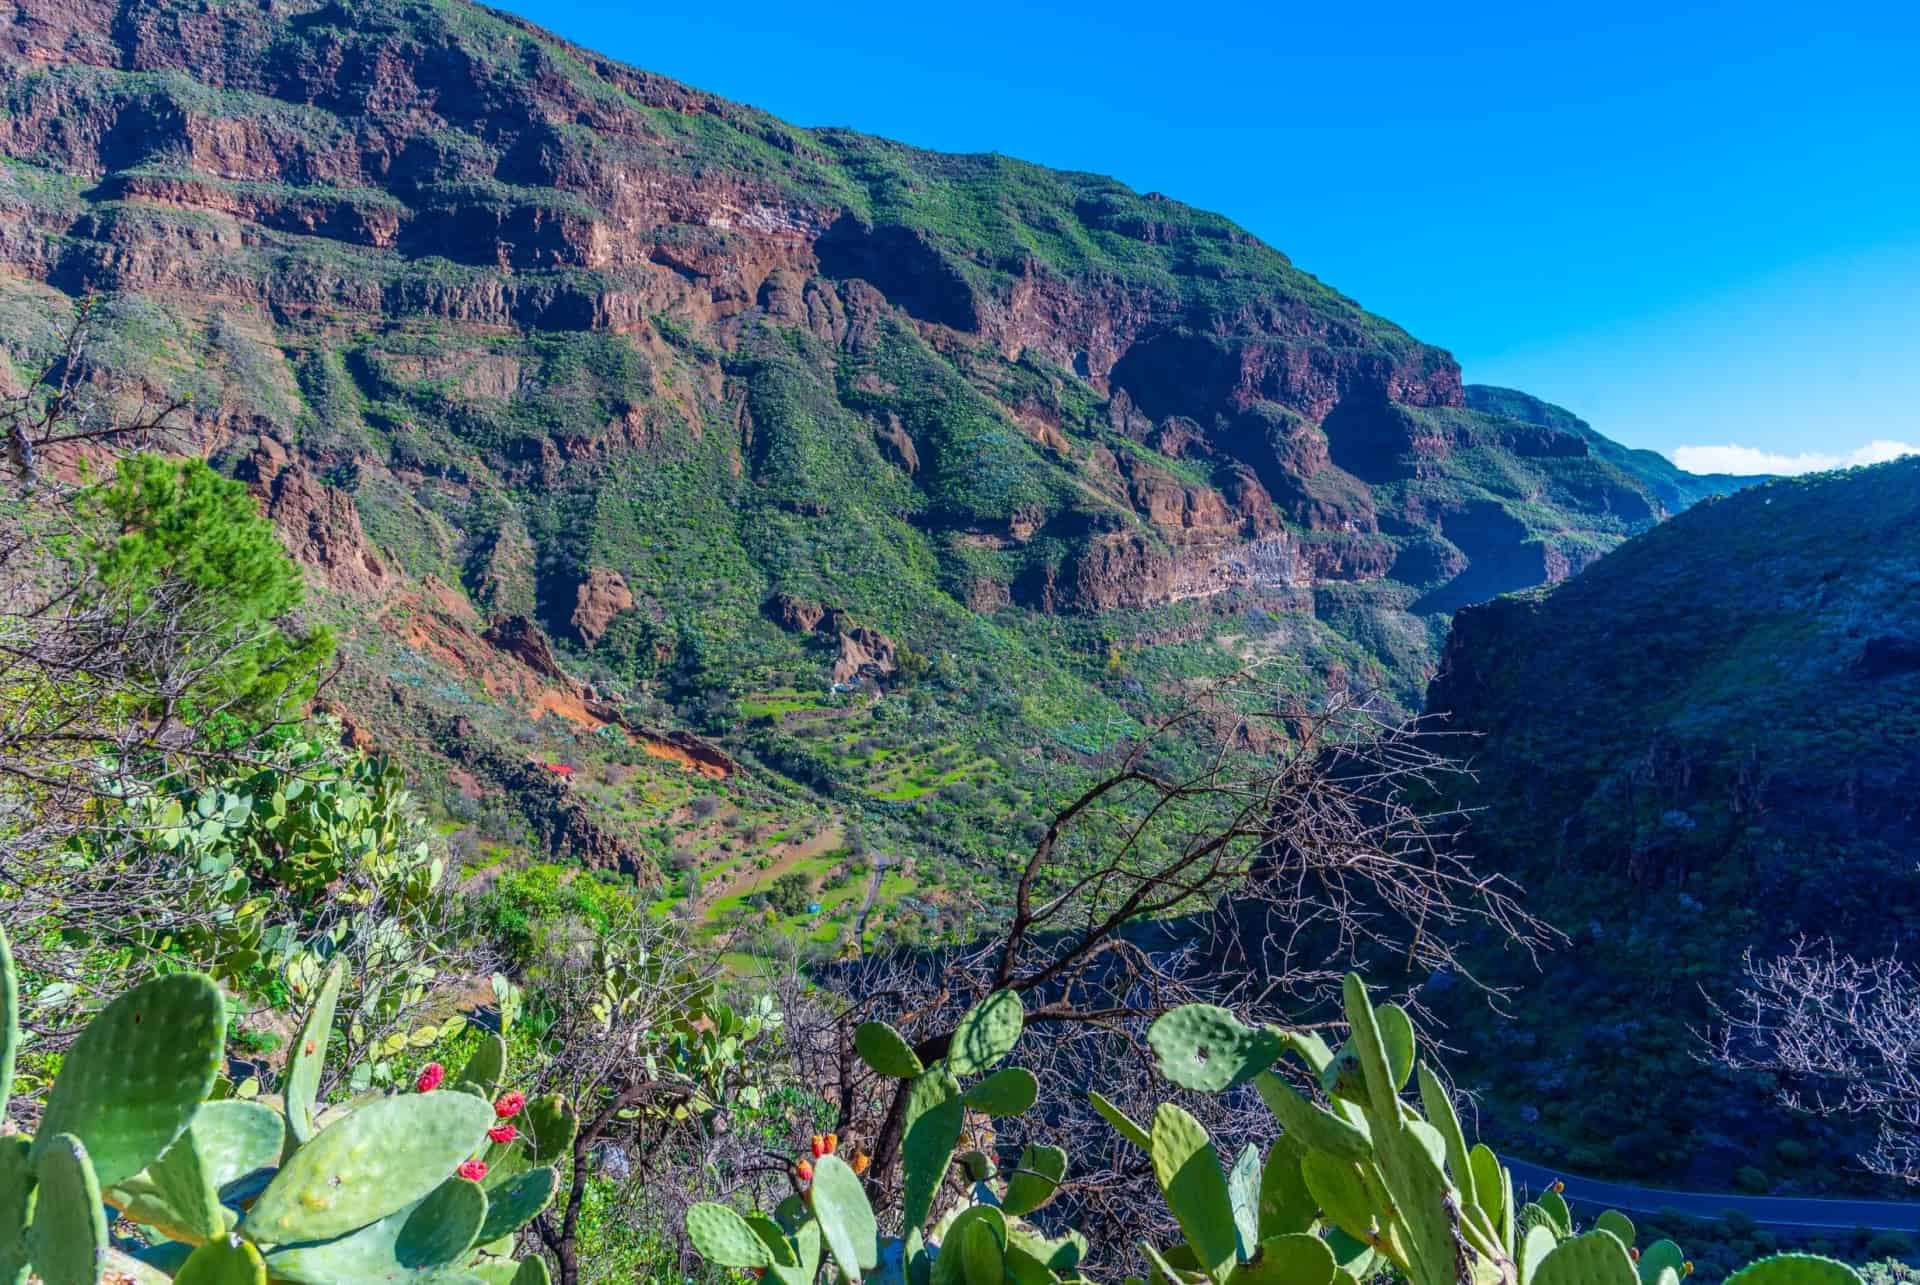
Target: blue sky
(1698,226)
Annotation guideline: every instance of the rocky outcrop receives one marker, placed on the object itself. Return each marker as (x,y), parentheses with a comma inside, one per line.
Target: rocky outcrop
(795,615)
(865,655)
(526,641)
(601,596)
(860,655)
(319,525)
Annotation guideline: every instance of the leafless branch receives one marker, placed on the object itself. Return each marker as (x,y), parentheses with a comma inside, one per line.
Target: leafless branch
(1842,1033)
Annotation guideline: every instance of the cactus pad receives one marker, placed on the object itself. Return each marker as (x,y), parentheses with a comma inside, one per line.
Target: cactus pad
(986,1034)
(68,1239)
(16,1208)
(518,1201)
(488,1065)
(1658,1257)
(1344,1077)
(1008,1091)
(136,1075)
(779,1248)
(180,1192)
(1299,1259)
(980,1253)
(1597,1258)
(223,1261)
(9,1022)
(934,1116)
(1120,1120)
(1286,1206)
(978,1166)
(1339,1192)
(1204,1047)
(1538,1242)
(1442,1116)
(1041,1171)
(1396,1032)
(1795,1269)
(236,1138)
(846,1219)
(1243,1191)
(550,1124)
(362,1168)
(309,1056)
(175,1194)
(724,1238)
(1313,1128)
(532,1271)
(444,1226)
(1187,1168)
(412,1244)
(1492,1190)
(1555,1206)
(1617,1223)
(886,1051)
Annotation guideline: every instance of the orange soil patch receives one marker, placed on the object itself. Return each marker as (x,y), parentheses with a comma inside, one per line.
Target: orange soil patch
(662,749)
(568,706)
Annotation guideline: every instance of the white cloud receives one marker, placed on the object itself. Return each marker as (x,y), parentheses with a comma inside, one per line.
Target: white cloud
(1748,459)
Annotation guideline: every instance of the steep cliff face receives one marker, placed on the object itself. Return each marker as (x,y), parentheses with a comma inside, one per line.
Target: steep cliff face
(595,350)
(1708,741)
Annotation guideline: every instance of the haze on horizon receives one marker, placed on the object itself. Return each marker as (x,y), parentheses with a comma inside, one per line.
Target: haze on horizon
(1700,234)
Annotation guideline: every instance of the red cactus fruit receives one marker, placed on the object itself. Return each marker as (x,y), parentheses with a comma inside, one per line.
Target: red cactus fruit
(430,1077)
(472,1170)
(509,1105)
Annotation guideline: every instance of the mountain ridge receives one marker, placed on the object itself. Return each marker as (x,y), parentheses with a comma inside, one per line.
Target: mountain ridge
(605,411)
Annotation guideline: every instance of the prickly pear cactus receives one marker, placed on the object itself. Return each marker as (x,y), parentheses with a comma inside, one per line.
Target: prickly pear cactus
(722,1236)
(309,1054)
(389,1189)
(886,1051)
(67,1242)
(1359,1183)
(9,1023)
(1597,1258)
(1795,1269)
(1200,1046)
(979,1242)
(137,1074)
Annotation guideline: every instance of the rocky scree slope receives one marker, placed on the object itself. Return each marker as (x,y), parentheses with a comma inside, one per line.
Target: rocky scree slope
(546,348)
(1707,741)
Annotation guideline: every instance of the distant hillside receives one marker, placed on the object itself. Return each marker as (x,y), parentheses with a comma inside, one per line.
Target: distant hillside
(1675,487)
(632,427)
(1708,740)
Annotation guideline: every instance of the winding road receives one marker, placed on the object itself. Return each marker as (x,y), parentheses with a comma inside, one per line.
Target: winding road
(1768,1211)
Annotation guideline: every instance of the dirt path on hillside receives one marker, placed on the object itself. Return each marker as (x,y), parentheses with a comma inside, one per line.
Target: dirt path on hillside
(880,868)
(823,841)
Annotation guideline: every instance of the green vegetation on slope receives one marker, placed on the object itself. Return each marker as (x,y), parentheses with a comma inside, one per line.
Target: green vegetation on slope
(1706,742)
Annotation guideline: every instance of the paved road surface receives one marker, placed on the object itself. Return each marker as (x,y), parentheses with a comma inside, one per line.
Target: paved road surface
(1769,1211)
